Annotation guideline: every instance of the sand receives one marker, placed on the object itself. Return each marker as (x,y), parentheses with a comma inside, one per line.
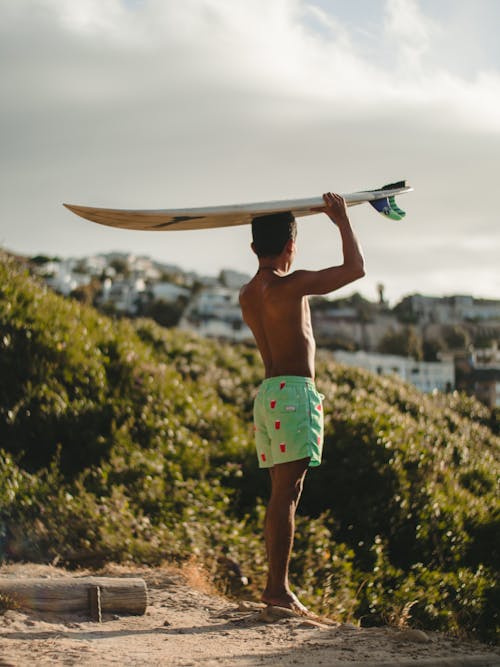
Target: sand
(187,623)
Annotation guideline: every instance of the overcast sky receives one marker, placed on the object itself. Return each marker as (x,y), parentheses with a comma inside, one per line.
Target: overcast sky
(178,103)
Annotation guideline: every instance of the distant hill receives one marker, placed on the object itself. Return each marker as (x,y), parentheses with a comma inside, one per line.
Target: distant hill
(124,441)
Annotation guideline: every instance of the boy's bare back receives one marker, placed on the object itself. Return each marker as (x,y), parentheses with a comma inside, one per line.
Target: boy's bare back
(280,321)
(274,303)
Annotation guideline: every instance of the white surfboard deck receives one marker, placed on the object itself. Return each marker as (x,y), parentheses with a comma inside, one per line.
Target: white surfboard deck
(237,214)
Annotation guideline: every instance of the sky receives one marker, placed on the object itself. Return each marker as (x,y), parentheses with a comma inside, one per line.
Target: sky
(170,104)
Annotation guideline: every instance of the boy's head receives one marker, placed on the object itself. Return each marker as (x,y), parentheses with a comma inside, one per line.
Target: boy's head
(271,233)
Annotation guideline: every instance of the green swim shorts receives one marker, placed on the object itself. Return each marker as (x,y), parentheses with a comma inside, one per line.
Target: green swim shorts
(288,421)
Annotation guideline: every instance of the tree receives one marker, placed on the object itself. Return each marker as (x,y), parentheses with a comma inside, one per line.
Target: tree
(120,265)
(432,347)
(405,343)
(43,259)
(456,337)
(86,293)
(404,311)
(164,313)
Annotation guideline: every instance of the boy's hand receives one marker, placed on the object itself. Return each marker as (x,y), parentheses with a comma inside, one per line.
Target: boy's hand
(335,207)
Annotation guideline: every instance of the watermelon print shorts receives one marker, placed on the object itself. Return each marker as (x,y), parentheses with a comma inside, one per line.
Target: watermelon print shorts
(288,421)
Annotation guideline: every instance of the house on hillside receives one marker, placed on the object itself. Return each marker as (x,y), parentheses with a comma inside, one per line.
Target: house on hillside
(143,268)
(215,312)
(64,276)
(426,376)
(233,279)
(486,386)
(343,327)
(449,309)
(168,292)
(485,375)
(124,296)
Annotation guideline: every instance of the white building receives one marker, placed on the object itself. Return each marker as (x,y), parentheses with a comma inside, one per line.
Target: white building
(143,267)
(168,292)
(233,279)
(95,265)
(62,277)
(424,375)
(215,312)
(124,295)
(452,309)
(486,375)
(344,324)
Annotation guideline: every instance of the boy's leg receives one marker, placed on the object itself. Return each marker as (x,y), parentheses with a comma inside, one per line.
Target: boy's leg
(286,486)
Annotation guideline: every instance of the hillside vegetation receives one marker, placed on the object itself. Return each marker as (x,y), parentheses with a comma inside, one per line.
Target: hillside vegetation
(123,441)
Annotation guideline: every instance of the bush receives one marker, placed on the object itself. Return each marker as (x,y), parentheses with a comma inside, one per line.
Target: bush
(124,441)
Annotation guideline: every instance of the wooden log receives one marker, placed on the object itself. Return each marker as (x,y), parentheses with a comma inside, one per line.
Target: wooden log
(117,595)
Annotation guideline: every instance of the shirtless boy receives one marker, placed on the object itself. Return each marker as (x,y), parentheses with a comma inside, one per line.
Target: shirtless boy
(288,417)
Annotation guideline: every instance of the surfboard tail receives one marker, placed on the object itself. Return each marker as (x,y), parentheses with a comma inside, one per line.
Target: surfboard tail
(387,206)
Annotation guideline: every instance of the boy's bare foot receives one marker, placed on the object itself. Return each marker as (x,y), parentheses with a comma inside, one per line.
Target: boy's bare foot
(288,601)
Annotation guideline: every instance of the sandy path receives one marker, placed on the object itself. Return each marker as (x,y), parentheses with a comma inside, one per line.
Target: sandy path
(185,626)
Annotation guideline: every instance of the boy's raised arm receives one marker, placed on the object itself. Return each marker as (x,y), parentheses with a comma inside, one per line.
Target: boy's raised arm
(334,277)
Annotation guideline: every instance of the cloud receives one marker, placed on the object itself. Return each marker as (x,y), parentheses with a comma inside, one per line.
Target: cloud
(160,103)
(95,51)
(411,30)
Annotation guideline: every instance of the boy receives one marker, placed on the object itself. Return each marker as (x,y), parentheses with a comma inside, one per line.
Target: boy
(288,410)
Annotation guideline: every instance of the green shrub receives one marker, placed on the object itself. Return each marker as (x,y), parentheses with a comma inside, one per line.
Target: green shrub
(124,441)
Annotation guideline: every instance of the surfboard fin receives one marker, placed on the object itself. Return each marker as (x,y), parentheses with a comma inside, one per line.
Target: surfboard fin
(388,208)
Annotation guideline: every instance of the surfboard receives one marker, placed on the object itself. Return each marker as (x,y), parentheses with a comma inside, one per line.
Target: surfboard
(165,220)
